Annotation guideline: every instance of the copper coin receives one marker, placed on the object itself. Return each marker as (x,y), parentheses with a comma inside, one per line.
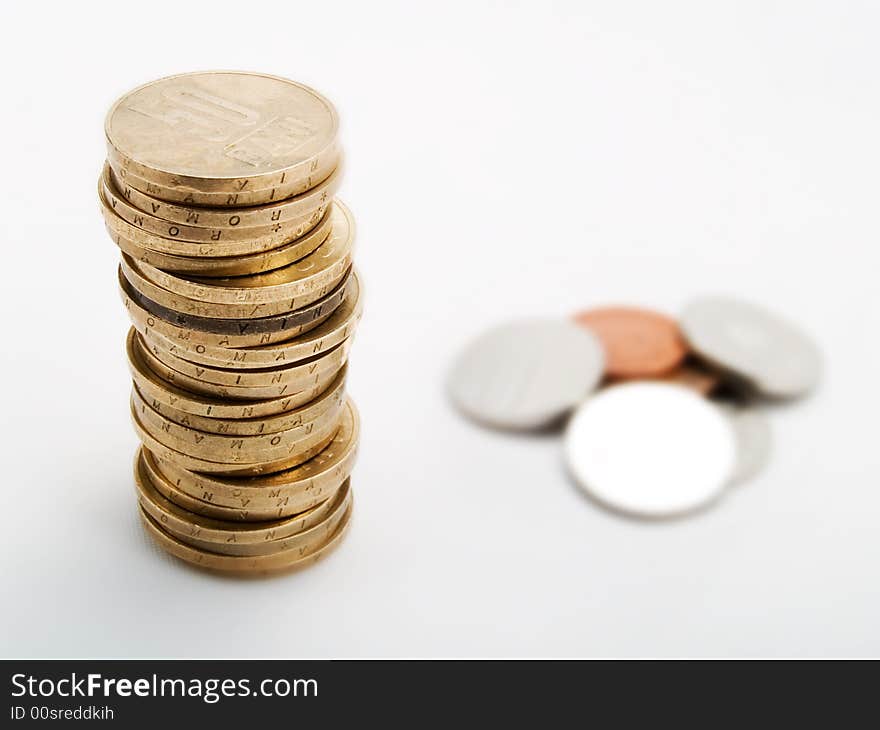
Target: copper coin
(638,343)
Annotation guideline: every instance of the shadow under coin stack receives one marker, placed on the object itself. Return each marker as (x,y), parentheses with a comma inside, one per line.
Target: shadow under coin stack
(236,272)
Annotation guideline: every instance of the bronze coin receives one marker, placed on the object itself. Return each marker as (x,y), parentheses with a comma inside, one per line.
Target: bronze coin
(638,343)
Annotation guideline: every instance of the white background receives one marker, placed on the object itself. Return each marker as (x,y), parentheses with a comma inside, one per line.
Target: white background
(503,160)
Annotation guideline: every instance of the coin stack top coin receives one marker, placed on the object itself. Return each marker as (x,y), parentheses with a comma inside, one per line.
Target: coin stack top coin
(236,271)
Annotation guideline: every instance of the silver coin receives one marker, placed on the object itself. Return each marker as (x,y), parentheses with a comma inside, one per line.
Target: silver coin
(754,441)
(769,353)
(650,449)
(526,375)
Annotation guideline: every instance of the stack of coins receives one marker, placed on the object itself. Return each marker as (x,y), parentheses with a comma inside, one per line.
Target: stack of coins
(237,274)
(666,413)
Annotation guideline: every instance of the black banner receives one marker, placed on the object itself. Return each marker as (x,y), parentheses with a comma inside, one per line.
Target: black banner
(240,693)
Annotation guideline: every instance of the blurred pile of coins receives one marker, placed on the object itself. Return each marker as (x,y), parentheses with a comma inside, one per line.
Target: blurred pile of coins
(661,416)
(237,275)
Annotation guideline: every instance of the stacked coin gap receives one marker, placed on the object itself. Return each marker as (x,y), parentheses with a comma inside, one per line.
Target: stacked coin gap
(236,271)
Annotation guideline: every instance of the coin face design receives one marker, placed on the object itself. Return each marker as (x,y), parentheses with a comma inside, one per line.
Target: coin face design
(221,125)
(650,449)
(754,441)
(526,374)
(769,353)
(639,343)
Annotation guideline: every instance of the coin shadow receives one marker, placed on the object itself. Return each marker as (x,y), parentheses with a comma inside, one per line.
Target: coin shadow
(739,391)
(742,396)
(543,433)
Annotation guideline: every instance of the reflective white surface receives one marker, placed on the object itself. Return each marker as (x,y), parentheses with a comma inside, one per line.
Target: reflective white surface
(650,449)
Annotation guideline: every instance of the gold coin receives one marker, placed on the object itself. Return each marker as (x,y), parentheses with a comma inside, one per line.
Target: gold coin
(227,132)
(230,265)
(279,323)
(321,378)
(298,375)
(133,273)
(244,199)
(290,559)
(249,512)
(303,451)
(334,394)
(271,235)
(178,340)
(290,286)
(239,332)
(193,533)
(304,539)
(154,387)
(260,215)
(118,226)
(172,516)
(290,491)
(225,449)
